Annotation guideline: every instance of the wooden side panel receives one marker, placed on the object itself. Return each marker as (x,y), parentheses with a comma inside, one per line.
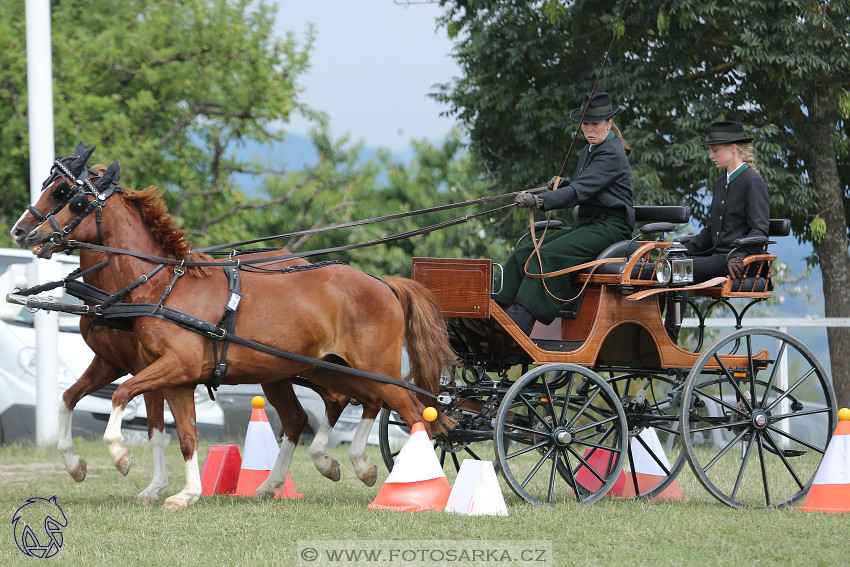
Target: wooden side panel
(462,286)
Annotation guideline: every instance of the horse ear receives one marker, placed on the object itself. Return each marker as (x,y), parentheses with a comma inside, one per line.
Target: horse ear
(81,157)
(110,176)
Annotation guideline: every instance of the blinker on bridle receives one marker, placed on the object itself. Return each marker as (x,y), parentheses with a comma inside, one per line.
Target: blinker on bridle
(74,197)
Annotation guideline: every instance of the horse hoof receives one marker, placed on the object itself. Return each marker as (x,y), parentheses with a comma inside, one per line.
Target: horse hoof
(263,494)
(172,505)
(145,499)
(371,476)
(79,474)
(123,464)
(334,472)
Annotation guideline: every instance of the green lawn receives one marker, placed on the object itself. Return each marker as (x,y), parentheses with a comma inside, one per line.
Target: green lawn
(107,527)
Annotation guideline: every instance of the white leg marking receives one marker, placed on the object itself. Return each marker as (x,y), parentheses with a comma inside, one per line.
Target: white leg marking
(325,464)
(278,473)
(159,482)
(75,466)
(115,441)
(191,492)
(365,471)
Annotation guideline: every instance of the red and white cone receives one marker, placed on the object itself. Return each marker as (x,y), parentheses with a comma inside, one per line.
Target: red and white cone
(259,455)
(830,490)
(647,472)
(417,481)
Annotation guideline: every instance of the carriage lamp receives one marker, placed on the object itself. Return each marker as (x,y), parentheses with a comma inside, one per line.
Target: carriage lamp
(675,268)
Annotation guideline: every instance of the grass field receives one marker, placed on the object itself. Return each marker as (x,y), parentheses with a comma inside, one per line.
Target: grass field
(107,527)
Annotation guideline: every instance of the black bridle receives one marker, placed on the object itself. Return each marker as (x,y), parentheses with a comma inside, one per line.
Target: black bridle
(74,195)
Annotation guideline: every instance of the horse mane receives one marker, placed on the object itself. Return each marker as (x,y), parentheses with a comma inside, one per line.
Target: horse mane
(154,212)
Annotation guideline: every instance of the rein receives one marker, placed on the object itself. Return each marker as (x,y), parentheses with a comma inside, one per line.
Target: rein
(277,259)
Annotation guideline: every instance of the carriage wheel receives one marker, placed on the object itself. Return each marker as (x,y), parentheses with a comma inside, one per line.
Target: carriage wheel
(560,422)
(755,436)
(472,438)
(656,453)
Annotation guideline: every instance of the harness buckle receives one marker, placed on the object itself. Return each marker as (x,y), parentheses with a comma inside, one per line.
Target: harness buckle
(56,238)
(218,337)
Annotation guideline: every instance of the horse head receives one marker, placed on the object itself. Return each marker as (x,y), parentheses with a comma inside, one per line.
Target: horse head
(68,195)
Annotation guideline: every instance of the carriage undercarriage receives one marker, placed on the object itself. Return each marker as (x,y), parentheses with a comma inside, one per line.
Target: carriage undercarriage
(602,402)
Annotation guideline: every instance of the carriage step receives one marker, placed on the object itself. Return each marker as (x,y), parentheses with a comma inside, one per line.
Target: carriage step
(557,346)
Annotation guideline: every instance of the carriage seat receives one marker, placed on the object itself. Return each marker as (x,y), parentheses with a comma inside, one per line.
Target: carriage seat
(660,219)
(757,267)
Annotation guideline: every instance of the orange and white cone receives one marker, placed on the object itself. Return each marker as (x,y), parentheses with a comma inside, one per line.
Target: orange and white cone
(259,455)
(647,471)
(830,490)
(417,481)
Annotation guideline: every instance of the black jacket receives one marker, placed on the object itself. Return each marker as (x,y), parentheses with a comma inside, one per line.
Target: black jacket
(741,210)
(603,178)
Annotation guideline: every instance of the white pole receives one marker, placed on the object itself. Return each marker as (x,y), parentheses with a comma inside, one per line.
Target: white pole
(41,147)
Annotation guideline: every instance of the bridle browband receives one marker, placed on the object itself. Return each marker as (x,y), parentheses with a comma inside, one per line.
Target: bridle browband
(78,189)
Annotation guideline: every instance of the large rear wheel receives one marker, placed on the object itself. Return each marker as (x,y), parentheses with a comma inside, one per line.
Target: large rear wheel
(755,432)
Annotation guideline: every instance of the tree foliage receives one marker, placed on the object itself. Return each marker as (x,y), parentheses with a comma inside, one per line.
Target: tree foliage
(782,67)
(170,89)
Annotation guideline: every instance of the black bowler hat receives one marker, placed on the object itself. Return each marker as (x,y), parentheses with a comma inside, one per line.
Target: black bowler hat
(726,132)
(599,108)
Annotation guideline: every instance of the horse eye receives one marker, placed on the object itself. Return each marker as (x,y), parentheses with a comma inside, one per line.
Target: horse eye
(61,191)
(78,204)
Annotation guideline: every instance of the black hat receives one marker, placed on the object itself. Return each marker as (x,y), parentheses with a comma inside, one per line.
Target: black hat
(726,132)
(598,108)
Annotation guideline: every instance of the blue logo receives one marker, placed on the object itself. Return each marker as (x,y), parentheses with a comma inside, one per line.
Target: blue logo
(38,527)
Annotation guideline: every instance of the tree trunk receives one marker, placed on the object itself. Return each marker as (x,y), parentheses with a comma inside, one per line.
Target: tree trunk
(832,250)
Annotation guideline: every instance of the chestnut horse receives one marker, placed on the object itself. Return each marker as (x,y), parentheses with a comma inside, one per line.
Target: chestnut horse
(114,357)
(333,313)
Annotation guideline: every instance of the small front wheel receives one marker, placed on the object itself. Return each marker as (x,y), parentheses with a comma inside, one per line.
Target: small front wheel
(561,435)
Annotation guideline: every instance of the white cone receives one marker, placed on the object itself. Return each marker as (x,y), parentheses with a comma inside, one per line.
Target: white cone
(476,491)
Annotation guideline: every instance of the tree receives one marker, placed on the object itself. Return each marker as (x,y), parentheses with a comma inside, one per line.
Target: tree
(343,187)
(170,89)
(780,67)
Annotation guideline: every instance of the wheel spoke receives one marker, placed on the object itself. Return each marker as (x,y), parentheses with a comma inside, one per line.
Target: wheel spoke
(773,372)
(781,455)
(764,480)
(744,461)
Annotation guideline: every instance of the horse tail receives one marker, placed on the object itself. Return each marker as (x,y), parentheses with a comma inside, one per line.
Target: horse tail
(427,343)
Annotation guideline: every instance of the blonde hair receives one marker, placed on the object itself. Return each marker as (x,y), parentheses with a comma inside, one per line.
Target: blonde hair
(748,154)
(619,134)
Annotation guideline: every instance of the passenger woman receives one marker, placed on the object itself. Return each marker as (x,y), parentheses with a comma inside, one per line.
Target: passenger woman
(602,189)
(740,208)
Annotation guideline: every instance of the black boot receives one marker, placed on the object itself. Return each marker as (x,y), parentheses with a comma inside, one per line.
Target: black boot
(522,317)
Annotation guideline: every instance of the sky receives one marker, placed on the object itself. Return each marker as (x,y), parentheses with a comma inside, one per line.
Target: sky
(372,66)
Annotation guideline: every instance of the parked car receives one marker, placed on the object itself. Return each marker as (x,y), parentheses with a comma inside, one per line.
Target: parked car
(18,370)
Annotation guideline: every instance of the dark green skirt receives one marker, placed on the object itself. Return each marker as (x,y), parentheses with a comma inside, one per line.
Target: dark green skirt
(580,243)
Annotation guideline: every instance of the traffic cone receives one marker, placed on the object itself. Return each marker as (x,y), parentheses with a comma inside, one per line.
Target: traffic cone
(601,461)
(476,491)
(830,490)
(417,481)
(221,470)
(260,453)
(648,472)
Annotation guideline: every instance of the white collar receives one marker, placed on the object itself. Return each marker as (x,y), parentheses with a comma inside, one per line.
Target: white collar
(731,173)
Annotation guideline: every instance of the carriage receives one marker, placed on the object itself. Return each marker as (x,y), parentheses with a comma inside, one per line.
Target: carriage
(600,401)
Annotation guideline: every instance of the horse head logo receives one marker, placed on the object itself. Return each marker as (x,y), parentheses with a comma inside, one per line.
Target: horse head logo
(38,527)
